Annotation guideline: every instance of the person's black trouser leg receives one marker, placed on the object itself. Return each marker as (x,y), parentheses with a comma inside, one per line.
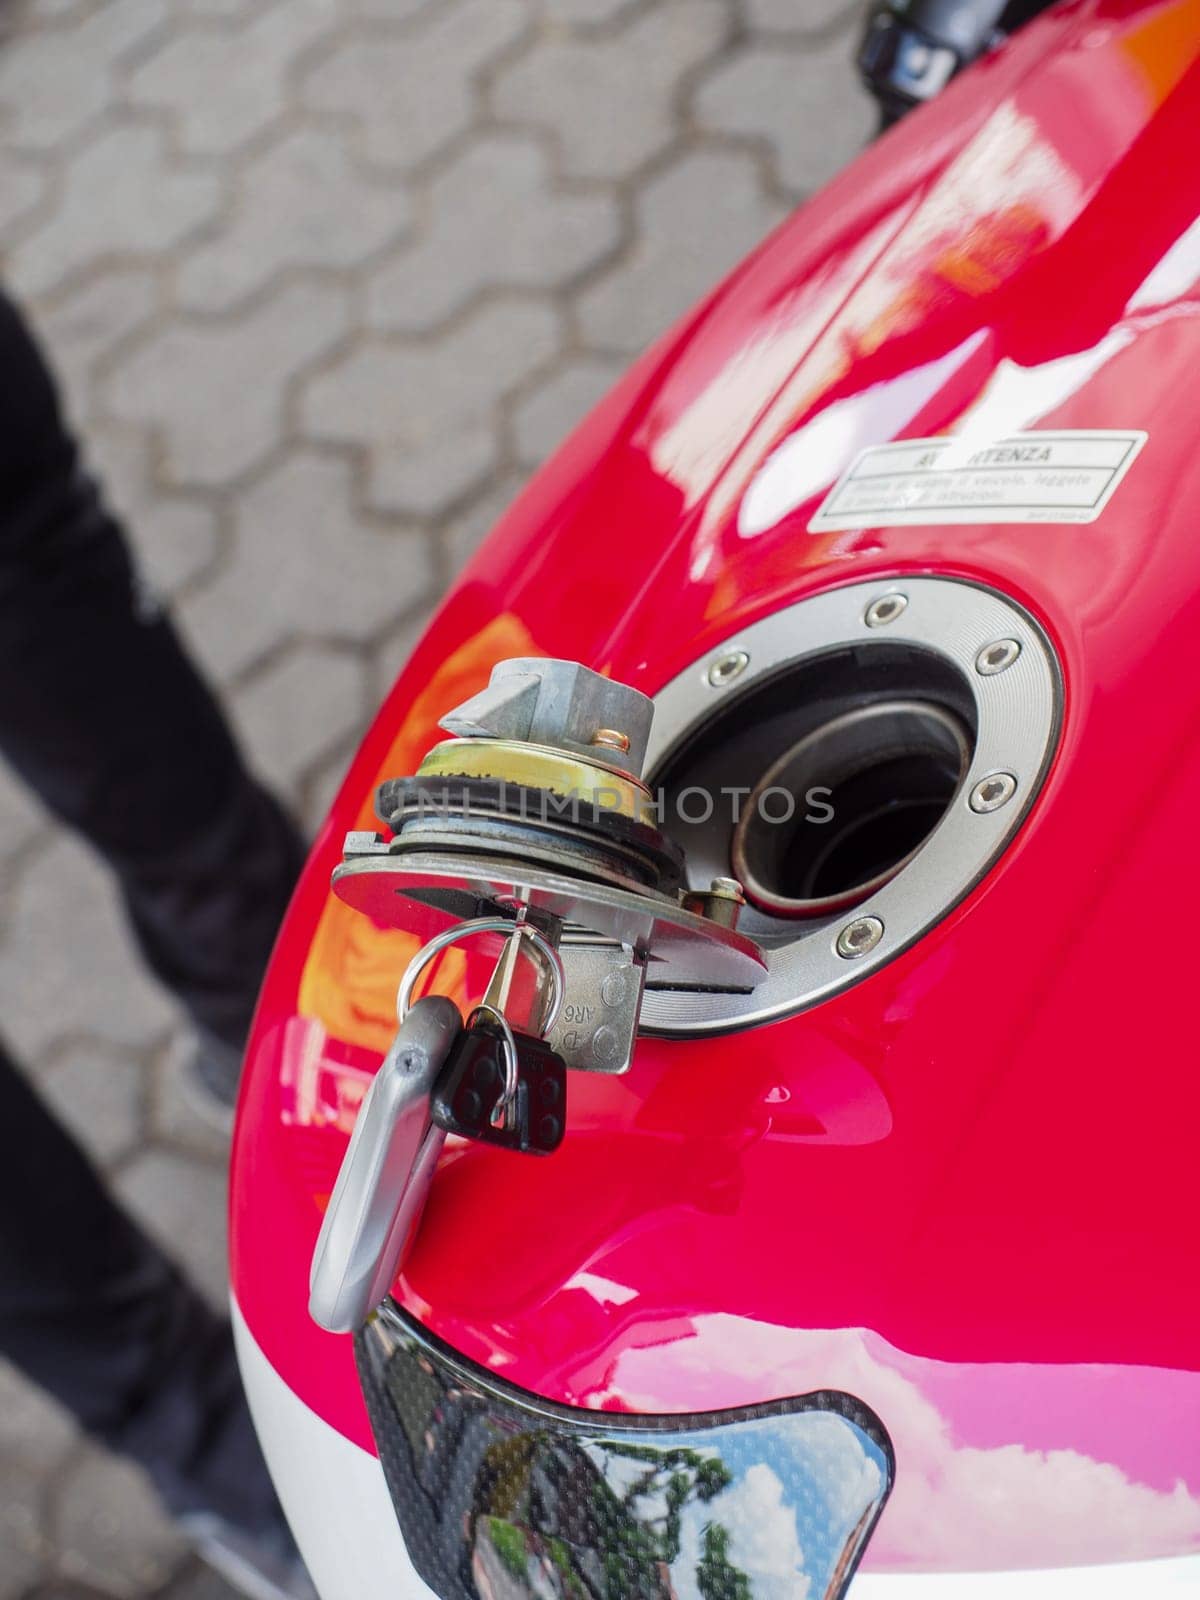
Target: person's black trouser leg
(94,1312)
(106,718)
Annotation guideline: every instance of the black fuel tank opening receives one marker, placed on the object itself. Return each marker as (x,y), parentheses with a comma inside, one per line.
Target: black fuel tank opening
(869,786)
(829,778)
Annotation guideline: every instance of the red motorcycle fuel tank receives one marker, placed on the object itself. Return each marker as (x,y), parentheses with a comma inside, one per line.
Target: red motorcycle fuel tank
(963,1189)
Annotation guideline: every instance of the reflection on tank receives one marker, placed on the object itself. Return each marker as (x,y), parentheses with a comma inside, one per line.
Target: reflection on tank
(503,1497)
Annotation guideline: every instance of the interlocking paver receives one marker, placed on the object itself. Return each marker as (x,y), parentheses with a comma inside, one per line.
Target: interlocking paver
(390,11)
(174,538)
(98,1092)
(54,82)
(465,531)
(801,16)
(22,188)
(86,323)
(23,1544)
(411,92)
(176,1116)
(427,411)
(315,794)
(390,656)
(111,1529)
(35,1436)
(49,992)
(216,390)
(495,222)
(221,87)
(302,203)
(590,12)
(180,1201)
(297,709)
(37,1431)
(324,279)
(543,419)
(120,197)
(610,102)
(348,583)
(696,219)
(767,92)
(224,9)
(41,14)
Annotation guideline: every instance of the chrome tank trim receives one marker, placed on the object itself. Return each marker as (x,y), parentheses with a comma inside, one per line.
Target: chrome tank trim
(1017,713)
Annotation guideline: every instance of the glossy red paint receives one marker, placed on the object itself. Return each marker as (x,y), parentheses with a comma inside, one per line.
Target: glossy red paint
(964,1189)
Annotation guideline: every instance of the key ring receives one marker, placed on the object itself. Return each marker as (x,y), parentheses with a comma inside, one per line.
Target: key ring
(463,930)
(512,1065)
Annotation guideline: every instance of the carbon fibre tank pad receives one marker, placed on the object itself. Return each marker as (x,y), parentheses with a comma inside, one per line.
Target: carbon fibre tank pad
(501,1495)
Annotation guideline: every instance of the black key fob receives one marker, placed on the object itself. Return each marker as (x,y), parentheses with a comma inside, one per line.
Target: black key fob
(471,1083)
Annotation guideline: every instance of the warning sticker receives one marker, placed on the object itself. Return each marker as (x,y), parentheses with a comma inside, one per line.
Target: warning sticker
(1027,477)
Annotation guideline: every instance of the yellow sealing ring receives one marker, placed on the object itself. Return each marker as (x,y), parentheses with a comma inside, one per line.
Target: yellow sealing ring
(535,766)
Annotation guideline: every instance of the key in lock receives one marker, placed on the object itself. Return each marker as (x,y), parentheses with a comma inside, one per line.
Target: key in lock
(389,1165)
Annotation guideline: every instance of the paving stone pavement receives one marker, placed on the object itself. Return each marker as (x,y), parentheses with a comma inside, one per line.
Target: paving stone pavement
(325,280)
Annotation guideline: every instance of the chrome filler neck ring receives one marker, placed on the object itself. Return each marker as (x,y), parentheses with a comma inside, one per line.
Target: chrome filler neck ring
(1004,670)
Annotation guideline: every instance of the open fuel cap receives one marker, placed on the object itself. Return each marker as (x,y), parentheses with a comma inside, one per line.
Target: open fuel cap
(539,808)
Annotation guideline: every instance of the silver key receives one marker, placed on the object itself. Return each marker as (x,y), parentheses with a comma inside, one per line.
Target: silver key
(386,1174)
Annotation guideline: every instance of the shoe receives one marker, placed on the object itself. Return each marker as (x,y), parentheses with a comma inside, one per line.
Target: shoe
(263,1565)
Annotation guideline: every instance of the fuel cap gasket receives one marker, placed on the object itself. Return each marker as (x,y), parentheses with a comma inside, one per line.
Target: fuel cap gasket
(1017,711)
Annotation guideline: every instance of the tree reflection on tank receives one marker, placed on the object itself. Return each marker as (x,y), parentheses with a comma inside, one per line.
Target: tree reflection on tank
(501,1496)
